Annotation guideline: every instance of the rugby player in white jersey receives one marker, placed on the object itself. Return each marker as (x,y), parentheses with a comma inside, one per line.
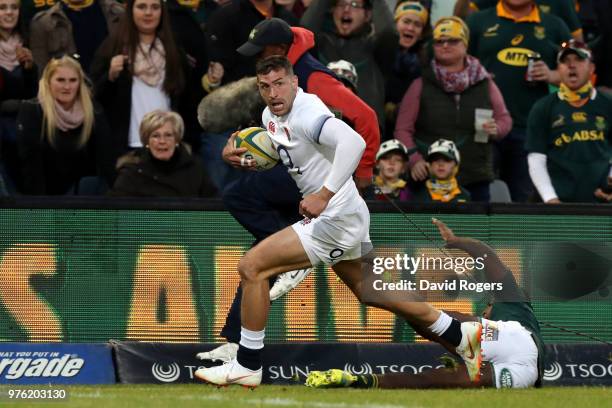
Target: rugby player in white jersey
(321,154)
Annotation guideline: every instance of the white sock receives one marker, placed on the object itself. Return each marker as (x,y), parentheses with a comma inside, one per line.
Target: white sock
(441,325)
(251,339)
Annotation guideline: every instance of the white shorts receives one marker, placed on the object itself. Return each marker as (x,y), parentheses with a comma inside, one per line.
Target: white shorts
(509,347)
(331,239)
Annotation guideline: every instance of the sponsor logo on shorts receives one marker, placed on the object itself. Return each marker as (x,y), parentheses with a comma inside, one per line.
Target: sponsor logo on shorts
(336,253)
(505,378)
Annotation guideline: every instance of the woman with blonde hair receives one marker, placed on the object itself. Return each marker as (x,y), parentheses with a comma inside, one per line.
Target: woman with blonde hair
(61,135)
(164,167)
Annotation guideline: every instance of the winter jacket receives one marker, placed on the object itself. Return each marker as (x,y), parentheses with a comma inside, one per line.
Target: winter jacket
(141,175)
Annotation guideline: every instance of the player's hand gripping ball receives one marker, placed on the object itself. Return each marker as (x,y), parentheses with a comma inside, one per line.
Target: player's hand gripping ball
(259,147)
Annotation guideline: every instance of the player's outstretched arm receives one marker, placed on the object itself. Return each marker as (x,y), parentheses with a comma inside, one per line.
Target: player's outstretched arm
(495,269)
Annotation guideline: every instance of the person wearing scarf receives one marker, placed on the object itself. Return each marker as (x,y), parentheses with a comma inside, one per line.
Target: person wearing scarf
(444,103)
(61,136)
(164,167)
(391,165)
(443,159)
(138,69)
(403,56)
(568,134)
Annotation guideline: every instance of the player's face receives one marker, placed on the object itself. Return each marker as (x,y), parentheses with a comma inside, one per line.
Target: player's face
(349,16)
(391,165)
(278,90)
(442,168)
(147,15)
(162,142)
(409,28)
(486,313)
(575,71)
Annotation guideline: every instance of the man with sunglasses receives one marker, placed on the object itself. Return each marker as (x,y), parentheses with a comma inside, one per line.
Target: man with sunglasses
(518,45)
(568,134)
(360,29)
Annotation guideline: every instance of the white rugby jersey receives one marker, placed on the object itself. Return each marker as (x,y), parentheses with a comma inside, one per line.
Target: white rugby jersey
(296,138)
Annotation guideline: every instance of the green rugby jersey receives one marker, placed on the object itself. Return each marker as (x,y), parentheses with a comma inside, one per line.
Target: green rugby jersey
(577,143)
(563,9)
(502,45)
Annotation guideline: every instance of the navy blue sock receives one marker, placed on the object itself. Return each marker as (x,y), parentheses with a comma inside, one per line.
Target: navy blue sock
(249,358)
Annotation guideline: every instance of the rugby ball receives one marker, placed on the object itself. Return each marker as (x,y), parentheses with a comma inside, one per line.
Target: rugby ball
(259,147)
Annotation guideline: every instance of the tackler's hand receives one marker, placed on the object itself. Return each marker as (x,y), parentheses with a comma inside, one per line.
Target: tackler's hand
(446,233)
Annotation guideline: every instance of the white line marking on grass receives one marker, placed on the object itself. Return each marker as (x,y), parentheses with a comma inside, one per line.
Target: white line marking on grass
(290,402)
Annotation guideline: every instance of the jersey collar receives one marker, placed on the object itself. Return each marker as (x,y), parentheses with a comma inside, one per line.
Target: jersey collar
(532,17)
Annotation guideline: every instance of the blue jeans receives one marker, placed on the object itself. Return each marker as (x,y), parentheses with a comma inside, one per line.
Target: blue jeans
(263,203)
(511,160)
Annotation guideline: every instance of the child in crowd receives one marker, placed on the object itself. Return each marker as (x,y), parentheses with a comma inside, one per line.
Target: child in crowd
(391,163)
(443,160)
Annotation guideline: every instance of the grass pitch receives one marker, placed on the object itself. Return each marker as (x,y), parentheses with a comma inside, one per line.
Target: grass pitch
(194,395)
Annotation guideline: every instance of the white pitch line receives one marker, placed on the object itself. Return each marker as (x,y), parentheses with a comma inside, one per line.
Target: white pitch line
(291,402)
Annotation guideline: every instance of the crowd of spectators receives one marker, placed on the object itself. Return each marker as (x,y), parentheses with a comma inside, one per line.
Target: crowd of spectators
(102,96)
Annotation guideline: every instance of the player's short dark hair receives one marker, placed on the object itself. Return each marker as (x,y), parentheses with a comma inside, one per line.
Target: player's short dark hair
(273,63)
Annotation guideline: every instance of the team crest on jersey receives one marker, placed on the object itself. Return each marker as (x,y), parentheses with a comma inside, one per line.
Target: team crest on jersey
(271,127)
(518,39)
(539,32)
(305,221)
(491,31)
(560,121)
(579,117)
(600,122)
(544,8)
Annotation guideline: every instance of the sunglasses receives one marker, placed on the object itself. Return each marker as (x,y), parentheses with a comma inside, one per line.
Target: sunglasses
(574,44)
(350,4)
(449,41)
